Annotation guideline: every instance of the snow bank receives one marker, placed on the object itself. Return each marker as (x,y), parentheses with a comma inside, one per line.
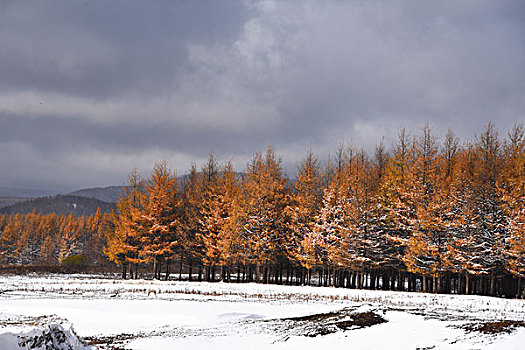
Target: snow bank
(51,337)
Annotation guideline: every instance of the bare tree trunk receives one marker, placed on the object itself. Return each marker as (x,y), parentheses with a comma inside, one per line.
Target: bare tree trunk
(411,284)
(167,269)
(180,267)
(385,281)
(154,268)
(258,273)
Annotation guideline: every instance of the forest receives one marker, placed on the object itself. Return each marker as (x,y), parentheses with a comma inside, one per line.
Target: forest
(429,213)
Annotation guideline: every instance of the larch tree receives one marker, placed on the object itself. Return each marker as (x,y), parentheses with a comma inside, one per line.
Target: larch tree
(427,239)
(9,240)
(124,243)
(513,199)
(376,216)
(48,251)
(163,231)
(491,229)
(192,196)
(31,238)
(303,207)
(261,211)
(395,204)
(70,243)
(49,229)
(330,232)
(449,204)
(361,243)
(337,241)
(96,240)
(216,214)
(465,250)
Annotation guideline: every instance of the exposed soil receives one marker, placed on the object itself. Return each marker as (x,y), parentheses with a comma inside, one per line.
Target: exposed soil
(494,327)
(316,317)
(113,342)
(332,322)
(365,319)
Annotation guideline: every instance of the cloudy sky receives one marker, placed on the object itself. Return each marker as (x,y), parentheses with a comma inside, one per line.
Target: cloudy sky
(91,89)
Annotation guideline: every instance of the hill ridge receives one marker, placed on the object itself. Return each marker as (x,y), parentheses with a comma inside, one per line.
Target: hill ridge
(61,205)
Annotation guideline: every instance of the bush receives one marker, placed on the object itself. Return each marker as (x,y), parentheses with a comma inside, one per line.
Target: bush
(75,261)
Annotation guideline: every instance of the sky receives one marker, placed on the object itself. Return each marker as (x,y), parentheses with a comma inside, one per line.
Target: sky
(92,89)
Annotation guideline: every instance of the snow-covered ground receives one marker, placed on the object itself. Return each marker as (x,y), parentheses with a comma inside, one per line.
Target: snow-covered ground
(143,314)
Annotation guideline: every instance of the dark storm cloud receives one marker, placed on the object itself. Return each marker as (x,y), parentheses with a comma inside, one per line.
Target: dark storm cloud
(72,136)
(101,48)
(90,89)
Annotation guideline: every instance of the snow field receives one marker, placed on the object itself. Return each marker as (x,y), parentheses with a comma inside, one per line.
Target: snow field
(231,316)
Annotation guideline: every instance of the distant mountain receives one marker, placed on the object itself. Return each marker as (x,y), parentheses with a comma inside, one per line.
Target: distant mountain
(80,202)
(7,201)
(24,192)
(109,194)
(60,205)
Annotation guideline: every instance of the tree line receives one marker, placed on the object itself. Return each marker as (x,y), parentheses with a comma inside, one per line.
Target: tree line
(47,239)
(429,214)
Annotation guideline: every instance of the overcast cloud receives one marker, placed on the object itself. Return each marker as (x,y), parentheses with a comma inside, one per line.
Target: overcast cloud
(91,89)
